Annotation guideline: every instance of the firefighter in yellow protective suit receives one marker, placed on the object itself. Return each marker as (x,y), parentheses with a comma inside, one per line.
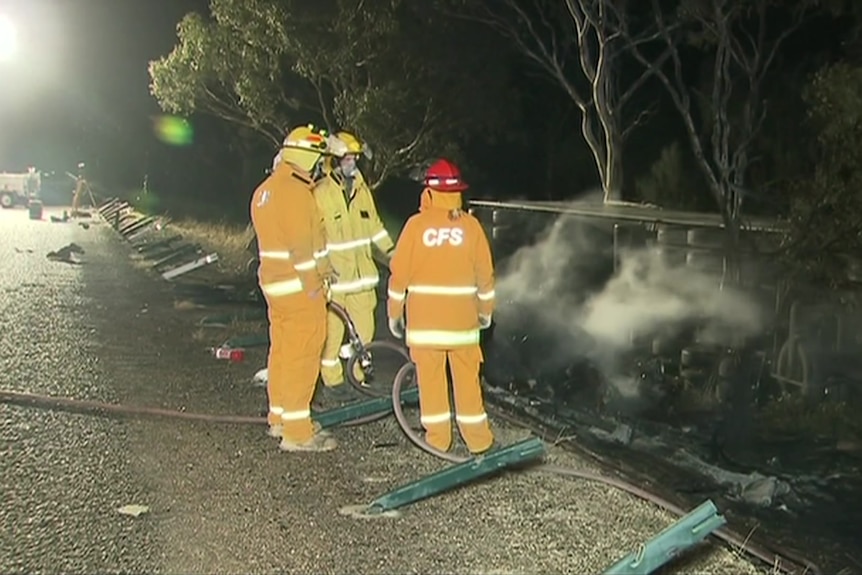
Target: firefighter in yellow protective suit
(442,268)
(292,275)
(353,229)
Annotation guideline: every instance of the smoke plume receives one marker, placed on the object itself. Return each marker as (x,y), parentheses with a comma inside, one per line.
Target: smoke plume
(563,293)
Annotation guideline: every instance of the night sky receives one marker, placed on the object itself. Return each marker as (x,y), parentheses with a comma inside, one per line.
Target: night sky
(79,90)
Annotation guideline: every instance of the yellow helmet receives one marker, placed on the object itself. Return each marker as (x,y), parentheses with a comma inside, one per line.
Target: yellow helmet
(352,144)
(304,146)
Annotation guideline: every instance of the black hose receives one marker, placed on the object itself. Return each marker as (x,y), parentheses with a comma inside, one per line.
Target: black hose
(778,561)
(88,406)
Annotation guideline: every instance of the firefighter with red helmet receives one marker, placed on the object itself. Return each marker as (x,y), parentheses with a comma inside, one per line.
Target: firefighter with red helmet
(442,273)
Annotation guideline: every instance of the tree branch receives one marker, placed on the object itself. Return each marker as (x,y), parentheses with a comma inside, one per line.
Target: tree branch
(642,117)
(641,80)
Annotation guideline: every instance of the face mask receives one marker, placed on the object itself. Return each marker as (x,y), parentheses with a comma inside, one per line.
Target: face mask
(347,166)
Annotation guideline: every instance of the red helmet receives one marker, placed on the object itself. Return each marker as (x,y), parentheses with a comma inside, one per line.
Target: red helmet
(444,176)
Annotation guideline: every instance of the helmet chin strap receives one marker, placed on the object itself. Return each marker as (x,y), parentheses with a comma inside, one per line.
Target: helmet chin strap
(276,160)
(317,171)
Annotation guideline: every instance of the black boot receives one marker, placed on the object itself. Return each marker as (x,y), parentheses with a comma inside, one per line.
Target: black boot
(342,393)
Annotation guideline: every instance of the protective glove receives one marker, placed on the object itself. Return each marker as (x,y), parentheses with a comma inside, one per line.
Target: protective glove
(396,327)
(328,277)
(328,274)
(383,259)
(484,321)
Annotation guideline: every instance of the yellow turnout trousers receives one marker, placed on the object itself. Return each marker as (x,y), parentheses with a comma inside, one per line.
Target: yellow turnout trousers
(297,330)
(434,404)
(360,306)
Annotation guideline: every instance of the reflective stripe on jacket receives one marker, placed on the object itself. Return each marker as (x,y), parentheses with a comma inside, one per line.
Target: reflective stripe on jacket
(443,272)
(352,225)
(289,234)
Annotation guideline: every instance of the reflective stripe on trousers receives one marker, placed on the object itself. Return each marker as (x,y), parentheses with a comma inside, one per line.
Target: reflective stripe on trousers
(447,416)
(275,414)
(274,255)
(442,338)
(305,266)
(436,418)
(295,415)
(471,419)
(280,288)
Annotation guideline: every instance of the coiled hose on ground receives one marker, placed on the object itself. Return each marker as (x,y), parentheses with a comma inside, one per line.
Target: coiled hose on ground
(780,561)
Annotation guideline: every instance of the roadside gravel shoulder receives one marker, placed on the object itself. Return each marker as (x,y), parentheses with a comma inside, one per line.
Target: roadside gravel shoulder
(62,475)
(226,500)
(223,498)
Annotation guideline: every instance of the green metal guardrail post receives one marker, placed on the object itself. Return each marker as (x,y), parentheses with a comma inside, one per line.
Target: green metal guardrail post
(339,415)
(685,533)
(228,318)
(250,340)
(458,474)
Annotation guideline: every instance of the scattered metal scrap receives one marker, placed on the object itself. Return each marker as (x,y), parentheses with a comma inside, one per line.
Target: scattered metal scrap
(68,254)
(170,256)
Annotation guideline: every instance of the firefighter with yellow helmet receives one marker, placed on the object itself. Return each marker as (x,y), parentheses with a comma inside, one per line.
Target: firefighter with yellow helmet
(353,229)
(293,274)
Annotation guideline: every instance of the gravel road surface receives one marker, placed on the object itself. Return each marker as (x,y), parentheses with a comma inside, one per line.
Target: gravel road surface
(223,498)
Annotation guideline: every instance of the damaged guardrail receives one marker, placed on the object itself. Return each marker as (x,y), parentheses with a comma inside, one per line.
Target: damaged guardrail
(171,256)
(671,542)
(167,252)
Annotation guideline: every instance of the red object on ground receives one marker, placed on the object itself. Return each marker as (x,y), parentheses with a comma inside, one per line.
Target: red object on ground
(234,355)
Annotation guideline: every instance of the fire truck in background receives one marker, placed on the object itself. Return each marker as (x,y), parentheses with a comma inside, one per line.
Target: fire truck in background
(17,189)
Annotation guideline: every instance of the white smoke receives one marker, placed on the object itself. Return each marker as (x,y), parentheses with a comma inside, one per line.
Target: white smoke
(552,282)
(648,295)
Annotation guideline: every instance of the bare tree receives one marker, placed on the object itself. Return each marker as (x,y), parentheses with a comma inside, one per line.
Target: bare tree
(586,33)
(743,49)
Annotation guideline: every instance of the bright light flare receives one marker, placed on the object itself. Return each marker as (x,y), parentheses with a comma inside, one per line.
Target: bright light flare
(173,130)
(8,39)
